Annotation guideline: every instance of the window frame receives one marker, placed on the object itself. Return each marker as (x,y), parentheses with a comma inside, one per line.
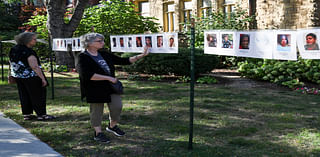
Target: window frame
(168,18)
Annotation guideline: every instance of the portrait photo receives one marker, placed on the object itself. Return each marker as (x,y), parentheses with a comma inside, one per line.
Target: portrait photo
(283,42)
(148,40)
(244,41)
(227,41)
(138,41)
(159,41)
(311,42)
(129,41)
(212,40)
(171,41)
(121,42)
(114,42)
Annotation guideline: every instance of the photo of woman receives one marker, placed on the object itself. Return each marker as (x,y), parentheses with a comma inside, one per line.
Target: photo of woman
(283,41)
(148,41)
(244,41)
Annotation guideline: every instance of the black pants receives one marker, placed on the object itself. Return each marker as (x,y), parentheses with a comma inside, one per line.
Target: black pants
(32,95)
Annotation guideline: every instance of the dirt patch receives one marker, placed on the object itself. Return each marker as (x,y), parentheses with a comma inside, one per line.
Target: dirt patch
(232,78)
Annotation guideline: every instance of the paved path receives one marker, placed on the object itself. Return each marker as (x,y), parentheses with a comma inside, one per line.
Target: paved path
(15,141)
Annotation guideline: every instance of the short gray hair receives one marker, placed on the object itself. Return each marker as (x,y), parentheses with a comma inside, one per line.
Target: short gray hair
(24,38)
(90,38)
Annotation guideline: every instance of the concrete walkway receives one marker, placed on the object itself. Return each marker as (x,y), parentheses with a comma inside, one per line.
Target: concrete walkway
(15,141)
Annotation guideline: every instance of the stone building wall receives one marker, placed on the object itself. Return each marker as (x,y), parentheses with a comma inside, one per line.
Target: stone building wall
(270,14)
(285,14)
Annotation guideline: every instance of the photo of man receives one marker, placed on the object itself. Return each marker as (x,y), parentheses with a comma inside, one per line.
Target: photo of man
(159,41)
(129,41)
(227,41)
(311,42)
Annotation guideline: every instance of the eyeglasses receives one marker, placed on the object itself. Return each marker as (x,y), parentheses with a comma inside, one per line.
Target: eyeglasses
(99,41)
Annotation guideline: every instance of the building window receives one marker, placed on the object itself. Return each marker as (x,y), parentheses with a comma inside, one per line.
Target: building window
(229,7)
(205,8)
(187,10)
(144,9)
(169,17)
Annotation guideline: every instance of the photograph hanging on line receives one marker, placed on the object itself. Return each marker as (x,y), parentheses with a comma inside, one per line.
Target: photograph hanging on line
(157,43)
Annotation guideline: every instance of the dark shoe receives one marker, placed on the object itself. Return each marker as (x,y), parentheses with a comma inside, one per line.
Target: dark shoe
(101,137)
(116,130)
(29,117)
(46,117)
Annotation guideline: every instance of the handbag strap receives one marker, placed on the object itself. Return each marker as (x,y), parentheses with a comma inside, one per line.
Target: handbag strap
(108,72)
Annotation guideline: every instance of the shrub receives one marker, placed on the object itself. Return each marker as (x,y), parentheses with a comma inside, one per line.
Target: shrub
(9,19)
(173,64)
(207,80)
(287,73)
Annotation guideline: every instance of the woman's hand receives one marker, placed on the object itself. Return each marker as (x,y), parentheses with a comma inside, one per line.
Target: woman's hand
(113,80)
(44,82)
(137,57)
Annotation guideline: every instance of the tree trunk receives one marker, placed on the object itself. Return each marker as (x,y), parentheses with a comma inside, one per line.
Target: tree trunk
(57,28)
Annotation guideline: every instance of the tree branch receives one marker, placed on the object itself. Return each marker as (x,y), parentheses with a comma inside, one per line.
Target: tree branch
(77,16)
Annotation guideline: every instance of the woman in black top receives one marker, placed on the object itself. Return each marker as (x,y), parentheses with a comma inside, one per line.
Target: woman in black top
(25,67)
(96,72)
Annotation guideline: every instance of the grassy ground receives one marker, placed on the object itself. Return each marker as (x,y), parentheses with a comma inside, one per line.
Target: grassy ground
(228,122)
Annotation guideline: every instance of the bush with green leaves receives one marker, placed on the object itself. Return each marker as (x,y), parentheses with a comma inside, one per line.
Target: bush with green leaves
(183,79)
(155,78)
(9,19)
(287,73)
(40,22)
(173,64)
(207,80)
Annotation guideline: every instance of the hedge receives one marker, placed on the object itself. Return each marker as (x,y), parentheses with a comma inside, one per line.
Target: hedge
(173,64)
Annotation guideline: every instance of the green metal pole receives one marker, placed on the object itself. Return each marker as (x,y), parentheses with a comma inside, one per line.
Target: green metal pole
(2,72)
(51,66)
(191,84)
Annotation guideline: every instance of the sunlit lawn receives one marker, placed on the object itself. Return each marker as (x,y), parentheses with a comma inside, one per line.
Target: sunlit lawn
(242,122)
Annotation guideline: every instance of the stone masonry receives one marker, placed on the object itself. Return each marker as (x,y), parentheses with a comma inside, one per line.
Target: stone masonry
(270,14)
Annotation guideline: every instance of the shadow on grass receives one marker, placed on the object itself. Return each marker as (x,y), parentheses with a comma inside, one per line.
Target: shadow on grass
(227,121)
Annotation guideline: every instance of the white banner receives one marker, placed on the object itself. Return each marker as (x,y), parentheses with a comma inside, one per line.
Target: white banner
(266,44)
(61,44)
(157,43)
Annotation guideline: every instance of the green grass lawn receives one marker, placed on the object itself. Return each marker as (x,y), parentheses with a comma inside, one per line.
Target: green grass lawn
(228,122)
